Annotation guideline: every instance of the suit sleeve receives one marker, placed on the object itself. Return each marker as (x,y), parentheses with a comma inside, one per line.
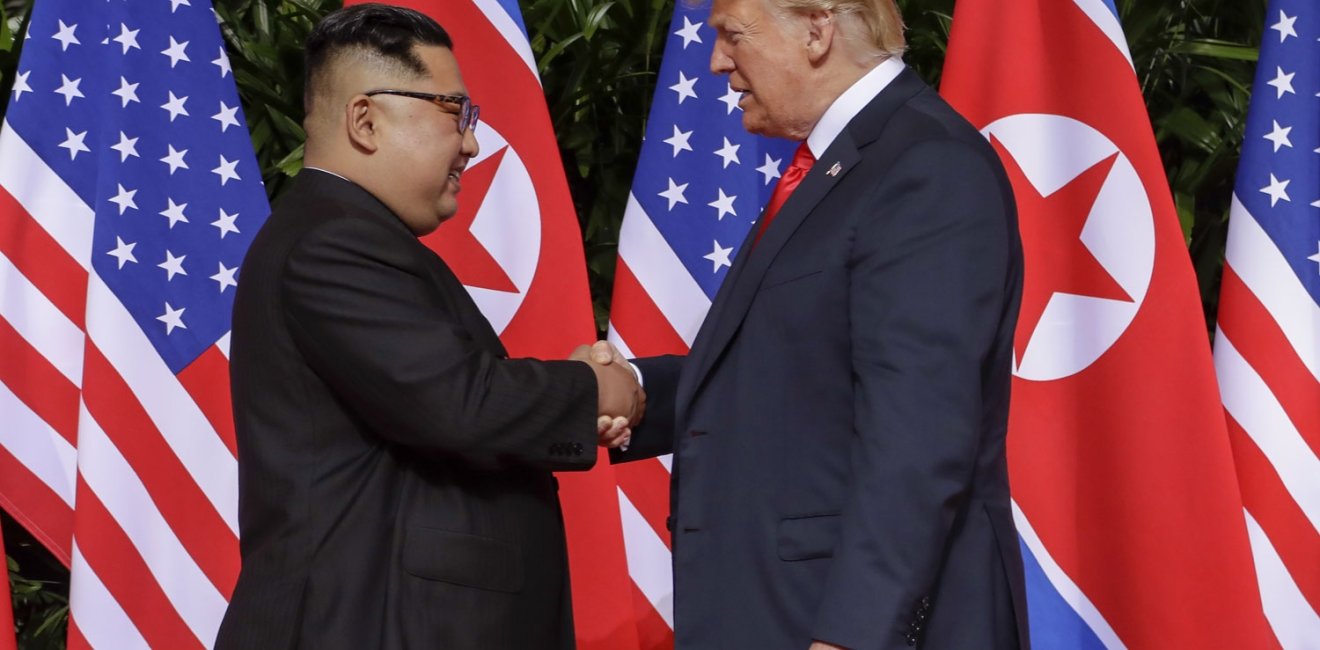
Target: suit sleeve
(373,328)
(655,435)
(929,284)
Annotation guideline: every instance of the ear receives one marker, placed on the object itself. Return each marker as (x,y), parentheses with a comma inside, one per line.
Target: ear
(821,31)
(360,116)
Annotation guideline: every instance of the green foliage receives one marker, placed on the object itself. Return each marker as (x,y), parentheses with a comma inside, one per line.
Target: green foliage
(598,62)
(265,38)
(1195,60)
(40,591)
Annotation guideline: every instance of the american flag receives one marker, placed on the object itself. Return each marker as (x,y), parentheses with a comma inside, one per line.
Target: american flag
(1267,348)
(128,195)
(701,183)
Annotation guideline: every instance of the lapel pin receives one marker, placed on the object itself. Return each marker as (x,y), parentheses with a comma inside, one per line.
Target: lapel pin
(834,171)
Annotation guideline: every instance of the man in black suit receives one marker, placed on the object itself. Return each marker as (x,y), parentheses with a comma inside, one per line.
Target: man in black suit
(395,466)
(839,477)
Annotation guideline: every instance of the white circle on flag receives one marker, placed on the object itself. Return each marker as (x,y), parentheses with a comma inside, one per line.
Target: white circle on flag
(1074,331)
(508,225)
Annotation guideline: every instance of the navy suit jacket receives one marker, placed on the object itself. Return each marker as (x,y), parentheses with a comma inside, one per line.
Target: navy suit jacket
(838,427)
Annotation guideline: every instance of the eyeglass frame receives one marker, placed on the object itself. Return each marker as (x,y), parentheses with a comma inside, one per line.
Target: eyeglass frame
(468,113)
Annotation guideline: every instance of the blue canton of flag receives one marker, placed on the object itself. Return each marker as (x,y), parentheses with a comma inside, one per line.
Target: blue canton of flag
(1279,175)
(134,107)
(701,178)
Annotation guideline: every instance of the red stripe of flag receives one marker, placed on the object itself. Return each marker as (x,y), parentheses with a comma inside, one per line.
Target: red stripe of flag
(38,384)
(1261,342)
(637,319)
(111,554)
(42,260)
(207,380)
(76,640)
(653,632)
(1277,512)
(35,505)
(181,501)
(646,482)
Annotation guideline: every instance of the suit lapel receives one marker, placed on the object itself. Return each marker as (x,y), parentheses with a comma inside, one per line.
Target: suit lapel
(739,289)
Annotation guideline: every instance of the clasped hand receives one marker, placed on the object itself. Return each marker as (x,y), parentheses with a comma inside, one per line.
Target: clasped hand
(620,397)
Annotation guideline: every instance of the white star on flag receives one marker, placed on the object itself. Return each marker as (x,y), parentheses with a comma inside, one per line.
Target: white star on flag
(1285,26)
(1279,136)
(724,204)
(172,318)
(65,36)
(225,277)
(675,193)
(679,141)
(227,170)
(689,32)
(124,199)
(225,223)
(729,152)
(172,265)
(69,89)
(227,117)
(1316,258)
(174,159)
(176,52)
(685,87)
(127,92)
(74,142)
(1277,190)
(174,212)
(21,85)
(1282,82)
(731,99)
(770,169)
(175,106)
(126,147)
(222,62)
(123,252)
(127,38)
(174,4)
(719,257)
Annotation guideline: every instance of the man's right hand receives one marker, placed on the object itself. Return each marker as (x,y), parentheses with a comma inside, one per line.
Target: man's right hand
(620,397)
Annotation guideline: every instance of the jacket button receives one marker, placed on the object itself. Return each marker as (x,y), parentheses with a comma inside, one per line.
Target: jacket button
(669,523)
(577,448)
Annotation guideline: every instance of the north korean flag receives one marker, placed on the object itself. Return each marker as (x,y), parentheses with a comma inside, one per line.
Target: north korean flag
(1122,474)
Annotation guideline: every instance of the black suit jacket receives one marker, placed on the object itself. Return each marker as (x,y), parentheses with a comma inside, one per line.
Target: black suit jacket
(395,485)
(838,427)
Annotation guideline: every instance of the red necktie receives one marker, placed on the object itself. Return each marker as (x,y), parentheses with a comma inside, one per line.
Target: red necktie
(797,170)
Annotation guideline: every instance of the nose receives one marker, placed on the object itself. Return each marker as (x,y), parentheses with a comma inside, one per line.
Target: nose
(720,61)
(470,146)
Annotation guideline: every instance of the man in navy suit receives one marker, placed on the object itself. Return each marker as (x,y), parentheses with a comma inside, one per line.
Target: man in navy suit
(839,477)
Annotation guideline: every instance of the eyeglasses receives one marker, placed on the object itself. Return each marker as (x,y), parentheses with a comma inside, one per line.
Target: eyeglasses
(468,112)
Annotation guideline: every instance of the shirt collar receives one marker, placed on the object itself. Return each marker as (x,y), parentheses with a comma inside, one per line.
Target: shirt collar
(850,103)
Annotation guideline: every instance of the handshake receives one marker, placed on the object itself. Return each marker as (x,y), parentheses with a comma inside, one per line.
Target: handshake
(620,397)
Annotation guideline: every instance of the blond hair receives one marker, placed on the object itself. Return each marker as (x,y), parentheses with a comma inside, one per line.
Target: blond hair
(880,18)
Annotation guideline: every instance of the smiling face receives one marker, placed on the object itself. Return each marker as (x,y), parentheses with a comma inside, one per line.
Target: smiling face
(765,55)
(421,156)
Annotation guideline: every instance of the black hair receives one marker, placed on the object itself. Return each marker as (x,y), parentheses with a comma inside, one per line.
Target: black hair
(384,30)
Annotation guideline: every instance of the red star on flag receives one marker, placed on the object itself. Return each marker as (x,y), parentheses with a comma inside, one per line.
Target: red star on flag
(454,242)
(1056,259)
